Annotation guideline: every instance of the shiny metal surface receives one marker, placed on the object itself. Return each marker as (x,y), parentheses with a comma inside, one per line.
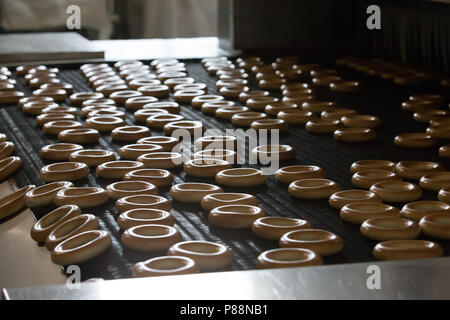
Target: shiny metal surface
(413,279)
(23,262)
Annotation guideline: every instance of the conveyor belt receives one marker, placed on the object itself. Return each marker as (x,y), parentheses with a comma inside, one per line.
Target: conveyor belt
(377,97)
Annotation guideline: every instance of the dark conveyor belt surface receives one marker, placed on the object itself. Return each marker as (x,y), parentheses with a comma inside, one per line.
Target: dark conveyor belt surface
(377,98)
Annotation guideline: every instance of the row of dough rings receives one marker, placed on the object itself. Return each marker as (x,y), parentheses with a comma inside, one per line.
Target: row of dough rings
(396,191)
(244,96)
(167,143)
(192,191)
(61,109)
(34,108)
(295,116)
(117,169)
(191,127)
(217,142)
(241,177)
(372,165)
(274,108)
(366,178)
(360,121)
(48,117)
(106,113)
(429,115)
(151,237)
(110,87)
(207,255)
(165,265)
(78,98)
(444,194)
(84,197)
(85,111)
(211,107)
(260,102)
(436,225)
(44,226)
(358,212)
(55,127)
(142,201)
(337,113)
(14,201)
(10,96)
(6,149)
(274,228)
(320,241)
(8,166)
(144,216)
(220,154)
(418,209)
(92,157)
(318,106)
(101,101)
(133,151)
(142,115)
(435,181)
(80,135)
(214,200)
(139,102)
(390,228)
(322,125)
(59,151)
(154,90)
(245,119)
(288,258)
(228,112)
(282,152)
(205,167)
(233,92)
(121,96)
(158,121)
(354,134)
(21,103)
(235,216)
(135,84)
(186,95)
(415,140)
(297,172)
(313,188)
(223,83)
(122,189)
(70,228)
(81,247)
(43,195)
(198,101)
(104,123)
(406,249)
(157,177)
(161,160)
(270,124)
(341,198)
(63,171)
(169,106)
(173,82)
(191,86)
(57,94)
(417,169)
(440,132)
